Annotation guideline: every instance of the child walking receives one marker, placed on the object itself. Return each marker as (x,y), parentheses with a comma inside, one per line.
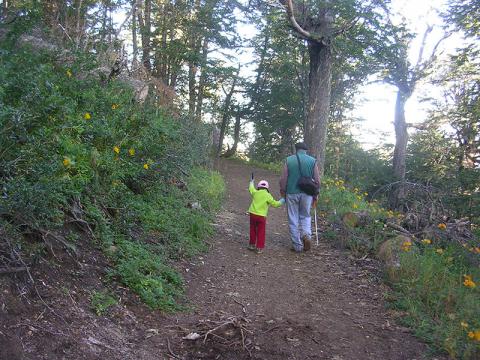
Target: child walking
(261,200)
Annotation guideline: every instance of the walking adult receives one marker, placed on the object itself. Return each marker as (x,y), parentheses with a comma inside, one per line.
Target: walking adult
(298,201)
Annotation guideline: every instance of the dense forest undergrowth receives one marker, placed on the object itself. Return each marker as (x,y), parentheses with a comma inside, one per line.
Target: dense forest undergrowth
(80,157)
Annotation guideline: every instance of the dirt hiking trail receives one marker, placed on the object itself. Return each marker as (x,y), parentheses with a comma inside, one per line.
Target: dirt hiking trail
(321,304)
(315,305)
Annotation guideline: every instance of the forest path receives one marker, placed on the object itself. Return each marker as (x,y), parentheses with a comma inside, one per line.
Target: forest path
(315,305)
(279,305)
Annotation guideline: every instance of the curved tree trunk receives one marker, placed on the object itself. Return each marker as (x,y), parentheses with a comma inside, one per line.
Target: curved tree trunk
(320,78)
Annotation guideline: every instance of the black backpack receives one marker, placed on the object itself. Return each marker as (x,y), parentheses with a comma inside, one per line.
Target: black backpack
(307,184)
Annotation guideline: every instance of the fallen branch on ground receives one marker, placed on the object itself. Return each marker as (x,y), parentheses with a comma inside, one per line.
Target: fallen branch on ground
(12,270)
(229,331)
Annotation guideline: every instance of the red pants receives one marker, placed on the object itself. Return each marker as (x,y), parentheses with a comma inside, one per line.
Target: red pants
(257,230)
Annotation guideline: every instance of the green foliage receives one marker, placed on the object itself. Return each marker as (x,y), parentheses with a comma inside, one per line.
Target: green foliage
(346,159)
(280,93)
(100,302)
(208,187)
(441,308)
(464,15)
(145,272)
(71,146)
(431,287)
(337,197)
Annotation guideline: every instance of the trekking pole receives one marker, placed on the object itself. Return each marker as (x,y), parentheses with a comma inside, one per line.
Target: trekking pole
(316,225)
(252,176)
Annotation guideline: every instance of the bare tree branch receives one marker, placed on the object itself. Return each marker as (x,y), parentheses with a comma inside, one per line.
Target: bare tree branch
(293,21)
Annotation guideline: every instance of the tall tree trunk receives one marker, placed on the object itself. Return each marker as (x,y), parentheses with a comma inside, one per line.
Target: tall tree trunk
(400,153)
(4,8)
(236,136)
(401,137)
(226,116)
(201,81)
(259,80)
(161,53)
(78,30)
(104,23)
(145,31)
(134,32)
(320,77)
(192,73)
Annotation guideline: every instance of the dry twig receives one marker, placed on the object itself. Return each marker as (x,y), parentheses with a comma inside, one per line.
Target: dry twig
(170,351)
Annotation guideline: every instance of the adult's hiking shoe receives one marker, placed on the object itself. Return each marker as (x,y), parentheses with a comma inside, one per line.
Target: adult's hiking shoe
(251,247)
(307,243)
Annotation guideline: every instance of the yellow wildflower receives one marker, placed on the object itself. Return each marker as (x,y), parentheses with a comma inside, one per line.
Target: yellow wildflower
(69,73)
(66,162)
(406,246)
(114,106)
(439,251)
(476,250)
(477,335)
(87,116)
(116,149)
(468,282)
(471,335)
(145,166)
(355,206)
(427,241)
(131,151)
(464,324)
(442,226)
(356,190)
(365,193)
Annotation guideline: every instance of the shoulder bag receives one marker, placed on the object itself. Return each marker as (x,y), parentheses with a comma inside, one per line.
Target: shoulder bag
(306,183)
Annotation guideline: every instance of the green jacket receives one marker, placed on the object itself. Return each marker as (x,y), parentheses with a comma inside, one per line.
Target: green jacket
(261,200)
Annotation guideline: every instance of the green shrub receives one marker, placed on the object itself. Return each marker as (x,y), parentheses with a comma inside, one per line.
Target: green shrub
(338,198)
(72,146)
